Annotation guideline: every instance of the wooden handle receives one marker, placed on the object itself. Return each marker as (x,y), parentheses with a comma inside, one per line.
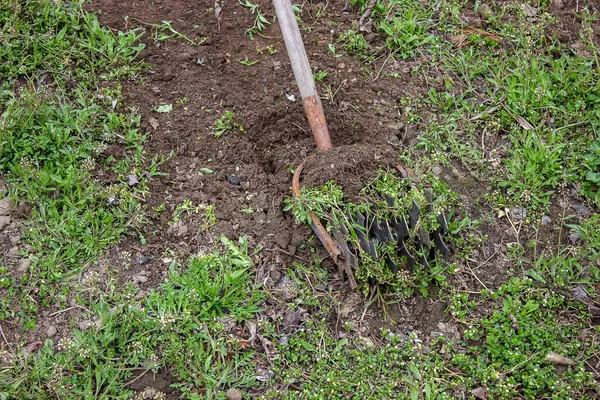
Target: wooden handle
(302,73)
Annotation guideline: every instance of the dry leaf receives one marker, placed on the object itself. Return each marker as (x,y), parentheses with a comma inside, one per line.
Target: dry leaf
(479,393)
(526,125)
(558,359)
(153,123)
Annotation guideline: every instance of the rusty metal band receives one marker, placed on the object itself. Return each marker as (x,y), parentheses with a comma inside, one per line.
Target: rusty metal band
(316,118)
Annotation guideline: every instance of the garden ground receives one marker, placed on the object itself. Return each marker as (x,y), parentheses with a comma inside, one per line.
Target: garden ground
(151,249)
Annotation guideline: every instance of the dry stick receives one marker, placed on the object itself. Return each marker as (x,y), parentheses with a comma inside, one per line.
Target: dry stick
(367,13)
(131,382)
(475,275)
(513,226)
(383,65)
(68,309)
(562,220)
(4,337)
(518,365)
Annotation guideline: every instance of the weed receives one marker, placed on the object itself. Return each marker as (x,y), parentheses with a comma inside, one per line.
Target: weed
(226,123)
(52,139)
(165,31)
(247,63)
(183,326)
(591,184)
(320,75)
(260,21)
(355,44)
(328,205)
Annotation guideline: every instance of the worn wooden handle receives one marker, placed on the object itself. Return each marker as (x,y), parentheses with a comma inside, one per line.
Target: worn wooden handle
(303,73)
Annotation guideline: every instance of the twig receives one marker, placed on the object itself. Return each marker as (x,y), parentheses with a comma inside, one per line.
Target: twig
(4,337)
(518,365)
(68,309)
(131,382)
(366,14)
(383,65)
(475,275)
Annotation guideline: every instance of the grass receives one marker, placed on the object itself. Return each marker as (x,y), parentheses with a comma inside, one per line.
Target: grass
(512,106)
(54,131)
(184,326)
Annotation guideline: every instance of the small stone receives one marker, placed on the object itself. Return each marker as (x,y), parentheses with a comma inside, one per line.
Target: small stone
(24,265)
(574,237)
(234,394)
(15,239)
(4,221)
(51,331)
(546,220)
(234,180)
(518,213)
(143,260)
(132,180)
(342,66)
(141,279)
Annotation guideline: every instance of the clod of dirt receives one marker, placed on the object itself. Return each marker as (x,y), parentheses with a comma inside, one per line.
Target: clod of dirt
(581,209)
(350,304)
(234,180)
(5,206)
(13,252)
(292,320)
(15,239)
(51,331)
(178,229)
(4,221)
(24,265)
(234,394)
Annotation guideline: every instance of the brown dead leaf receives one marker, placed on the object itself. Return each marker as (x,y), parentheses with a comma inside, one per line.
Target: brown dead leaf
(479,393)
(523,122)
(153,123)
(556,358)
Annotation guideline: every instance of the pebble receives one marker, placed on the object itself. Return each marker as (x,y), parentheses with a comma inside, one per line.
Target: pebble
(15,239)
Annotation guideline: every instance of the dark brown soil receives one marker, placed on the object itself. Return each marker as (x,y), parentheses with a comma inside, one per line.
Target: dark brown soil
(365,121)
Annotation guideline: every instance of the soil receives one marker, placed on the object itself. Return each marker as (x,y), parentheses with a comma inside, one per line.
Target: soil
(367,127)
